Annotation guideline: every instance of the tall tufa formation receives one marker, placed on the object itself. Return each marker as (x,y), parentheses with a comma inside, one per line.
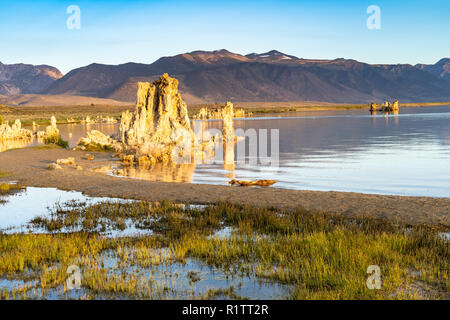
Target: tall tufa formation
(51,133)
(227,122)
(160,125)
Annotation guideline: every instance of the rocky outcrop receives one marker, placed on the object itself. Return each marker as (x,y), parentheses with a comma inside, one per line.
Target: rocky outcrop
(14,132)
(51,133)
(160,125)
(385,107)
(247,183)
(205,114)
(98,141)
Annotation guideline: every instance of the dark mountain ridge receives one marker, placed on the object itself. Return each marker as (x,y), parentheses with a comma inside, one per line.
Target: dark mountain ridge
(210,76)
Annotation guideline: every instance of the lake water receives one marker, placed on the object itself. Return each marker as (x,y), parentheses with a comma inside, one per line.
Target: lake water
(403,154)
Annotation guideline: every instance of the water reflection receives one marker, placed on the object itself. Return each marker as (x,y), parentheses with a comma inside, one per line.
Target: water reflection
(159,172)
(10,144)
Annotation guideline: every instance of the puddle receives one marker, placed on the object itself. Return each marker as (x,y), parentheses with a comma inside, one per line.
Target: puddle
(224,233)
(191,279)
(19,209)
(445,235)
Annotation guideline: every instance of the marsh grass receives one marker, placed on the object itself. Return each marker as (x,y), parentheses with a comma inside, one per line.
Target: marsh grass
(10,188)
(96,147)
(58,141)
(317,255)
(4,174)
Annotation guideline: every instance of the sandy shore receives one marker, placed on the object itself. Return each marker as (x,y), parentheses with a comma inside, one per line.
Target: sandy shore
(29,167)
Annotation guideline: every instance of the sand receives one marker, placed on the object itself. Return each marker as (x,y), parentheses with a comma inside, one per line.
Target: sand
(29,167)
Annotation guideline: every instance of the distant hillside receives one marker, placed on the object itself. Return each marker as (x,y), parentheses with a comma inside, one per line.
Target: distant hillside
(272,76)
(440,69)
(26,78)
(210,76)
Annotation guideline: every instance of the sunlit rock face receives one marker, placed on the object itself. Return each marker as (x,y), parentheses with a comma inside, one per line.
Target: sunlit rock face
(98,140)
(51,132)
(14,131)
(160,125)
(227,121)
(205,113)
(14,136)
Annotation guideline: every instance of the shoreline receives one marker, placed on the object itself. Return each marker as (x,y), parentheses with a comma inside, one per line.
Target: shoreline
(42,114)
(28,166)
(286,107)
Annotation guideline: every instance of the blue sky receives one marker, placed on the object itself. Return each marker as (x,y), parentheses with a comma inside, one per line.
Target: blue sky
(114,32)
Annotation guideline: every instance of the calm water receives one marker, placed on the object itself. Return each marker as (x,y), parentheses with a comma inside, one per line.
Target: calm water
(404,154)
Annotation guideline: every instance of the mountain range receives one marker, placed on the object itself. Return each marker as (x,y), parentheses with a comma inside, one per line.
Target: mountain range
(217,76)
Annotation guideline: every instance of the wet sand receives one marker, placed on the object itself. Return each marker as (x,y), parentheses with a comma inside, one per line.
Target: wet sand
(29,167)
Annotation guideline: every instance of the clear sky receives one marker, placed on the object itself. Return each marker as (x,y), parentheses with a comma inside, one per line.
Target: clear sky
(114,32)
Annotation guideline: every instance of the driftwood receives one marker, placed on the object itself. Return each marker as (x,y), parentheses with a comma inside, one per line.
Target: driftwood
(260,183)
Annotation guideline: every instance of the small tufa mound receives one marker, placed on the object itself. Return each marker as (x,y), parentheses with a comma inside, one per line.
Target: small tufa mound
(97,141)
(69,161)
(385,107)
(246,183)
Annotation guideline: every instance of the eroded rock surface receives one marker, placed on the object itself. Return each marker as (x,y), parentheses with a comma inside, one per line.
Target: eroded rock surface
(160,125)
(97,141)
(14,131)
(51,132)
(205,114)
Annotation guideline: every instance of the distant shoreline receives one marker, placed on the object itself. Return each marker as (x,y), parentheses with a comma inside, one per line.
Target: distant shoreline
(41,114)
(284,107)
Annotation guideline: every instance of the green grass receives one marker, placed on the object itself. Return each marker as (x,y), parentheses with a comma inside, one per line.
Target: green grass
(319,255)
(4,174)
(96,147)
(57,141)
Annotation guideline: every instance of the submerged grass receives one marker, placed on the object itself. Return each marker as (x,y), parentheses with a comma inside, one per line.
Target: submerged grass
(10,188)
(317,255)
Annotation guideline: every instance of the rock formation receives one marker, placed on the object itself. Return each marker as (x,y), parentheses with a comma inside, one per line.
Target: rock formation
(228,137)
(51,133)
(205,114)
(247,183)
(227,121)
(14,131)
(385,107)
(160,126)
(97,141)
